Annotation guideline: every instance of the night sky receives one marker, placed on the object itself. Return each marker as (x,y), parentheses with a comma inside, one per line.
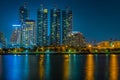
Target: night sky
(96,19)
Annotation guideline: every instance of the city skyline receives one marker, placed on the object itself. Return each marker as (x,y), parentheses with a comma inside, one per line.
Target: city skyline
(92,19)
(31,34)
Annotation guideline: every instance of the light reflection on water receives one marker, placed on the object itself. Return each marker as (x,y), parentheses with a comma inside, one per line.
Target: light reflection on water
(44,69)
(90,68)
(63,67)
(41,68)
(66,67)
(0,66)
(114,68)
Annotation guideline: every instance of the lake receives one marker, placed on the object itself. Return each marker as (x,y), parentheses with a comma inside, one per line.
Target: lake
(60,67)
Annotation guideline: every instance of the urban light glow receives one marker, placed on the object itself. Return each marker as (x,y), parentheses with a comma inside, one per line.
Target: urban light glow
(14,25)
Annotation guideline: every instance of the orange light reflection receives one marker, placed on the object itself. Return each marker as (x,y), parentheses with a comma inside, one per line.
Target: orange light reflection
(89,67)
(114,67)
(41,67)
(66,67)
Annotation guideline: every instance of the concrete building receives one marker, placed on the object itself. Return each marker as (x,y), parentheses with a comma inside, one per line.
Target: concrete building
(104,44)
(109,44)
(76,39)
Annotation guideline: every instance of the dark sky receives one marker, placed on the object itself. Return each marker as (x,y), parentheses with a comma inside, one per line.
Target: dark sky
(96,19)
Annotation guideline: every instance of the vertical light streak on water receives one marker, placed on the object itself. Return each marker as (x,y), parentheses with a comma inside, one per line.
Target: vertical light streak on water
(114,68)
(74,67)
(16,68)
(47,67)
(96,67)
(106,66)
(0,66)
(66,67)
(26,68)
(90,68)
(41,68)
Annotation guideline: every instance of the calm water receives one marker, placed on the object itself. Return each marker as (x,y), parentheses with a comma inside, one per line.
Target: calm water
(60,67)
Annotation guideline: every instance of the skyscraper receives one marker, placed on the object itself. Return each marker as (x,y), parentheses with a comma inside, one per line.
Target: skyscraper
(23,13)
(15,37)
(76,39)
(2,40)
(55,27)
(66,25)
(29,34)
(42,26)
(23,16)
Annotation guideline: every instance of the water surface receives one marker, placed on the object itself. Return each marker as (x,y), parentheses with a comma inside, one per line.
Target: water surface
(60,67)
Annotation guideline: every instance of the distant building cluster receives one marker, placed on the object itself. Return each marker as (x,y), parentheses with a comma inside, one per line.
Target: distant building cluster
(31,33)
(108,44)
(2,40)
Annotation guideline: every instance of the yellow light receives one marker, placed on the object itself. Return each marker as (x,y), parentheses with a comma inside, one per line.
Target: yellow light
(113,46)
(89,46)
(45,11)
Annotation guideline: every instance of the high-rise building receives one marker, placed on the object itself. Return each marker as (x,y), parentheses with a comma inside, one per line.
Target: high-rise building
(42,26)
(66,24)
(55,27)
(29,34)
(23,16)
(2,40)
(76,39)
(15,37)
(23,13)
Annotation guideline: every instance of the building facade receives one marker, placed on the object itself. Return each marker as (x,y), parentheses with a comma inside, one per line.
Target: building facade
(2,40)
(15,37)
(23,14)
(55,27)
(76,39)
(104,44)
(42,27)
(66,25)
(29,34)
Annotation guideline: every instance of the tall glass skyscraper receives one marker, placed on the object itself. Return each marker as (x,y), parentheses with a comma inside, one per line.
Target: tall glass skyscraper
(23,16)
(55,27)
(42,27)
(15,37)
(23,13)
(29,34)
(66,25)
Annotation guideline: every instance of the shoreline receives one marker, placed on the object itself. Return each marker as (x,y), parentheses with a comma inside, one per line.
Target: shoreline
(55,53)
